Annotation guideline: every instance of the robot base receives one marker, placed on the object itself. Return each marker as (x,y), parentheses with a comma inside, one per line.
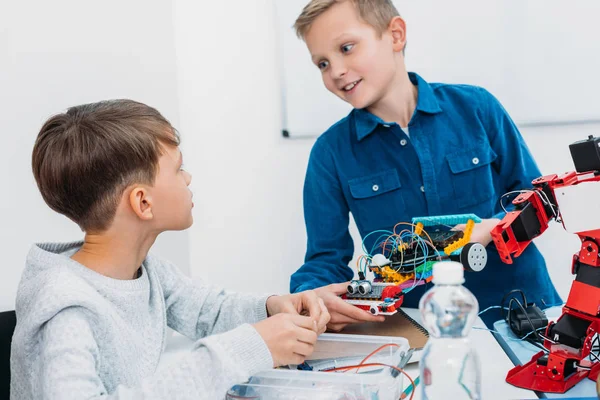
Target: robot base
(537,377)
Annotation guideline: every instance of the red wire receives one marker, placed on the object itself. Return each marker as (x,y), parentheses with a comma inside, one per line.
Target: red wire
(412,393)
(378,350)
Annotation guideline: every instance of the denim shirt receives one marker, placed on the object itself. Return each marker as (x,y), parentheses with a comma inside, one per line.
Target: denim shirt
(463,153)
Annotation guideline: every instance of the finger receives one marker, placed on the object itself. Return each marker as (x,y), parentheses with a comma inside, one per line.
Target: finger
(289,308)
(342,319)
(306,336)
(459,227)
(323,318)
(303,322)
(350,311)
(335,327)
(339,288)
(303,349)
(296,359)
(310,301)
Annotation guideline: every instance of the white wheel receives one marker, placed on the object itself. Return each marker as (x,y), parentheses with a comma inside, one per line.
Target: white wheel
(474,257)
(374,310)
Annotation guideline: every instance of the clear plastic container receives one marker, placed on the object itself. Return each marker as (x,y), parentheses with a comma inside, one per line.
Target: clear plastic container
(449,365)
(334,351)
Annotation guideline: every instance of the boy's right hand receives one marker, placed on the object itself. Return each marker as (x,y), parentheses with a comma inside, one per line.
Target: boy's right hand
(289,337)
(342,313)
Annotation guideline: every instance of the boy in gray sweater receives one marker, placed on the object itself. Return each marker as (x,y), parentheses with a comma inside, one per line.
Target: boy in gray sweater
(92,315)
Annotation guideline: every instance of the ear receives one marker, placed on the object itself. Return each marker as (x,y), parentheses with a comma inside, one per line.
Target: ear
(397,29)
(140,201)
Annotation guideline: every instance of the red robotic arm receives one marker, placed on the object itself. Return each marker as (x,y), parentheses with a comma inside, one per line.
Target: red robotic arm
(534,209)
(574,200)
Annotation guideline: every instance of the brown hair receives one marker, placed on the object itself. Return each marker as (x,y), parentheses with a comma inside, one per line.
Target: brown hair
(85,158)
(377,13)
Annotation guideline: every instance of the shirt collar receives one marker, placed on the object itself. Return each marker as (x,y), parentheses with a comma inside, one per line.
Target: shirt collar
(366,122)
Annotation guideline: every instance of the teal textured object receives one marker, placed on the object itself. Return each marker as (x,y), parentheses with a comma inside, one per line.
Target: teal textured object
(446,219)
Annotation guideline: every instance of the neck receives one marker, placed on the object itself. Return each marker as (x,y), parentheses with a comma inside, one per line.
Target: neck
(116,253)
(399,102)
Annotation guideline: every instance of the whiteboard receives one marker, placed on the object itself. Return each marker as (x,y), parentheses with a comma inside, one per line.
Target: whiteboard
(540,58)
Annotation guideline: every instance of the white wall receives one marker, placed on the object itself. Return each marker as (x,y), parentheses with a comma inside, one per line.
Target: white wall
(211,69)
(249,231)
(61,53)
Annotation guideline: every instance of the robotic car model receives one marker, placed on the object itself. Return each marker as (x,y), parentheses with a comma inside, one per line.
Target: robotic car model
(403,260)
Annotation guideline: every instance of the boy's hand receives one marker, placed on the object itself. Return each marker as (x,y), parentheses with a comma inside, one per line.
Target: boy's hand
(304,303)
(289,337)
(341,312)
(481,231)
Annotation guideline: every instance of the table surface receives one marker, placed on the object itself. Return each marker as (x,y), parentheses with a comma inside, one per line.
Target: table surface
(494,362)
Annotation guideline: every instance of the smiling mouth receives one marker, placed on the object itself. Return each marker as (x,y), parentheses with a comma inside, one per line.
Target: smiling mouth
(351,86)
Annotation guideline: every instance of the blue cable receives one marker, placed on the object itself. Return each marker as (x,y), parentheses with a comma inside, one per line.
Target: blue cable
(490,308)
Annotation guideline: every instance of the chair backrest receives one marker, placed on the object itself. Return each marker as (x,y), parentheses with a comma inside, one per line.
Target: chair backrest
(8,321)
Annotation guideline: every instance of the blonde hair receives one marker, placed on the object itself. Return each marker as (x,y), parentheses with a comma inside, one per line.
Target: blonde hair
(377,13)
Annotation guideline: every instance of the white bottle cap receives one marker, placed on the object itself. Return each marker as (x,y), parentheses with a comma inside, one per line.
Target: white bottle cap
(448,273)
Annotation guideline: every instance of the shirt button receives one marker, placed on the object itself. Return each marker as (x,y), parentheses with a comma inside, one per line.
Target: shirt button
(423,189)
(403,142)
(386,125)
(375,188)
(475,160)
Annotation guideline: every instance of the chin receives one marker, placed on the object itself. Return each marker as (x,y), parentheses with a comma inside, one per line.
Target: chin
(189,223)
(359,102)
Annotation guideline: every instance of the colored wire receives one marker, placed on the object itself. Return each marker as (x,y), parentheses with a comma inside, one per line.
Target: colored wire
(491,308)
(460,377)
(376,365)
(543,197)
(371,233)
(377,350)
(523,339)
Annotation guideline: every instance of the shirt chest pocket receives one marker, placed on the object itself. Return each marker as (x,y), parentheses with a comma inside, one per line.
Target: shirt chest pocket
(472,177)
(376,200)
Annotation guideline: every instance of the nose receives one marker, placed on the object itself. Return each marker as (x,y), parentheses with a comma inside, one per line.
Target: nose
(187,177)
(338,69)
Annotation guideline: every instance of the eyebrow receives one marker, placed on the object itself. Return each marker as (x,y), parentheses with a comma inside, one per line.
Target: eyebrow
(344,36)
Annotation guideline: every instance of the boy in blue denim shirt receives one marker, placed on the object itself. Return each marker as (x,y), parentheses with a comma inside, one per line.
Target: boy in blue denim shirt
(408,148)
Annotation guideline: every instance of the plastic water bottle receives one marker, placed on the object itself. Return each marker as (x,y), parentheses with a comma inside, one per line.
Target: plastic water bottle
(449,366)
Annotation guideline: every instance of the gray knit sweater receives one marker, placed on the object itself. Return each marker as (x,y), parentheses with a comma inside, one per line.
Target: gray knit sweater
(83,335)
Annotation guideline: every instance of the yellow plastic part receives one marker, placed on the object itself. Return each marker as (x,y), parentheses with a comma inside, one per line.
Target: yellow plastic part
(462,241)
(389,275)
(402,247)
(419,228)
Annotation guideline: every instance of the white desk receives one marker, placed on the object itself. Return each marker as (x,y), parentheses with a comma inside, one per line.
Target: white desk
(494,363)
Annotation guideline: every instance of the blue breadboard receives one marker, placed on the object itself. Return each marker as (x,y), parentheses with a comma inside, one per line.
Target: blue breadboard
(446,219)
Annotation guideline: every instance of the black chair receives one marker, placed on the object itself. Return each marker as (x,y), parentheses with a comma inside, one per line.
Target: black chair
(8,320)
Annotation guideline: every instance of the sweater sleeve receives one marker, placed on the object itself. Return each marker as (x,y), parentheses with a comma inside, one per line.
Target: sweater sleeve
(196,309)
(66,364)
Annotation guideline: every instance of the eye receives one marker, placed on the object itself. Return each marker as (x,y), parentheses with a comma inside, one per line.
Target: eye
(323,64)
(347,47)
(182,167)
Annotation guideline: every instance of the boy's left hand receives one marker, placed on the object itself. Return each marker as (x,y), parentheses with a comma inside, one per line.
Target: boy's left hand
(305,303)
(481,231)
